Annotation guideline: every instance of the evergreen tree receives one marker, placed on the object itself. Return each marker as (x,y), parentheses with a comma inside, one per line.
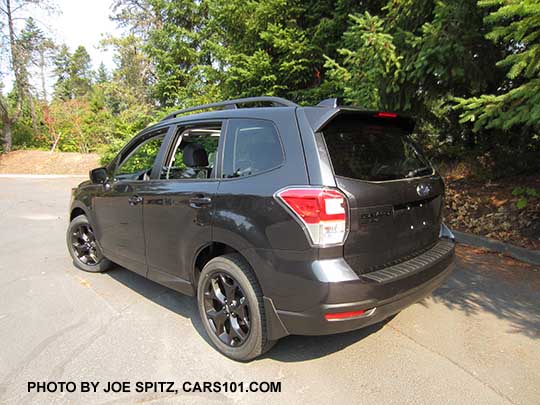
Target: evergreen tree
(444,55)
(516,26)
(62,59)
(16,55)
(371,65)
(174,47)
(80,72)
(73,73)
(102,75)
(262,48)
(131,81)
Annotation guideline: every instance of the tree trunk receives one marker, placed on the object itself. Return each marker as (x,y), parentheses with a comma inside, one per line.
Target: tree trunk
(33,114)
(19,70)
(56,139)
(7,136)
(21,83)
(42,73)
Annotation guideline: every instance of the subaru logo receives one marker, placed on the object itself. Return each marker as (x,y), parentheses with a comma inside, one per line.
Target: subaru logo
(423,189)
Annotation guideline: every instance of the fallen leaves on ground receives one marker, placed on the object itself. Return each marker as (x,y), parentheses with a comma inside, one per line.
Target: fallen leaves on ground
(489,209)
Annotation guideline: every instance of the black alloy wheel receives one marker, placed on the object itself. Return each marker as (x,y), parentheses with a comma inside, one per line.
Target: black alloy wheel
(227,309)
(84,245)
(84,248)
(231,307)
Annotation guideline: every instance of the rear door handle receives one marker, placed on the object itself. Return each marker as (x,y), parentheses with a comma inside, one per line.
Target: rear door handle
(135,200)
(197,202)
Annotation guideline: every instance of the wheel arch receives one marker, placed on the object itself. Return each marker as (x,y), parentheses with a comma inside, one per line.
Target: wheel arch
(76,212)
(273,324)
(211,250)
(79,208)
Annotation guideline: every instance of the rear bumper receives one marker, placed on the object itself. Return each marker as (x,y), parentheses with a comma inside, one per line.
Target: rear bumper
(379,300)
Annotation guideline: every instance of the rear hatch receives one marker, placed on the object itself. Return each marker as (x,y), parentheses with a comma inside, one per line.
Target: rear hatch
(395,196)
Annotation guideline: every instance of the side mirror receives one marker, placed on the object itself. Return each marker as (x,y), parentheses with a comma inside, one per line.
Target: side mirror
(99,175)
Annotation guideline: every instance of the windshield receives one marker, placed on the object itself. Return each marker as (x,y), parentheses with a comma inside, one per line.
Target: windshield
(373,149)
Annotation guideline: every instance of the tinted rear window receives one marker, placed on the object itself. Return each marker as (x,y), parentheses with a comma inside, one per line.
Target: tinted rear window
(373,149)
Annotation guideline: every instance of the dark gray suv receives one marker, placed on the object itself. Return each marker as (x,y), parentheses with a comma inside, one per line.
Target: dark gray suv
(280,219)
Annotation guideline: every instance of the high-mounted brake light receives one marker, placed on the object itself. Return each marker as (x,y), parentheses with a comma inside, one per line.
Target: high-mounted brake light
(386,115)
(322,212)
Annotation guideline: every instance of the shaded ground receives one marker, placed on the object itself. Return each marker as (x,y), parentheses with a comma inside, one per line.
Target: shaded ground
(43,162)
(474,341)
(489,285)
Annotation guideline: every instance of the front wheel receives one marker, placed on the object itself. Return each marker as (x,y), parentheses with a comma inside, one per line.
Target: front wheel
(231,308)
(83,247)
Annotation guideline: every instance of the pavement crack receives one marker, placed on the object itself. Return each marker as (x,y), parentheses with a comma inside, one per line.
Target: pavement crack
(429,349)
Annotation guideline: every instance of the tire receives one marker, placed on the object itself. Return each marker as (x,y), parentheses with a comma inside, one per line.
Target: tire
(78,227)
(231,269)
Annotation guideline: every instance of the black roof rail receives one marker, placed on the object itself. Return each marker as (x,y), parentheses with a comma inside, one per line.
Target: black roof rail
(277,101)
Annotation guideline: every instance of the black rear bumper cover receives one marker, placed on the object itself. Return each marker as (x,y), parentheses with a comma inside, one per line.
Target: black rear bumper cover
(387,299)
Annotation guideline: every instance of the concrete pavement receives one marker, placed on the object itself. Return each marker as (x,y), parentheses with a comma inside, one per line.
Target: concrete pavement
(477,340)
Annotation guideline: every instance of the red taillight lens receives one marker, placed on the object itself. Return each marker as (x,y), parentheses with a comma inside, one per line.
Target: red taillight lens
(386,115)
(323,212)
(314,204)
(344,315)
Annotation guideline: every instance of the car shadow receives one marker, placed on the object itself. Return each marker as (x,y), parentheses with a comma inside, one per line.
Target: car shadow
(489,283)
(301,348)
(176,302)
(288,349)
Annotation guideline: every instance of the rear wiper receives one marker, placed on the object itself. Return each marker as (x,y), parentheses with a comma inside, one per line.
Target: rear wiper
(416,172)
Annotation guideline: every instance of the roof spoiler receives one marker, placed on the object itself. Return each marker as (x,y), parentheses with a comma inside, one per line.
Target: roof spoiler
(329,102)
(319,117)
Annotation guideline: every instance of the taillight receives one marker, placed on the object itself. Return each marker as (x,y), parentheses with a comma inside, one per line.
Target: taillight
(322,212)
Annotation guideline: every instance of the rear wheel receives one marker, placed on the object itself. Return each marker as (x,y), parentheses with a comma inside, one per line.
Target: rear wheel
(83,247)
(231,308)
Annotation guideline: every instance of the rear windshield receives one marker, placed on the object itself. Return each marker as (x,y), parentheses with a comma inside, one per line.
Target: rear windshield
(373,149)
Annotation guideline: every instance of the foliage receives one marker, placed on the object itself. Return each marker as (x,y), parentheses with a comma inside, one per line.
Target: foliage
(76,125)
(524,194)
(468,72)
(16,51)
(261,45)
(125,125)
(371,65)
(74,73)
(516,25)
(142,159)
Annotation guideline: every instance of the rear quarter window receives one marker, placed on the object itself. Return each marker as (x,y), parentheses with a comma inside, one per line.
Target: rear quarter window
(251,146)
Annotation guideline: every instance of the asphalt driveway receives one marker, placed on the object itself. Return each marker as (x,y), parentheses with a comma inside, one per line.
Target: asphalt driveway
(477,340)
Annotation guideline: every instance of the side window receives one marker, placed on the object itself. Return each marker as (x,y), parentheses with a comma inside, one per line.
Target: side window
(193,154)
(138,163)
(252,146)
